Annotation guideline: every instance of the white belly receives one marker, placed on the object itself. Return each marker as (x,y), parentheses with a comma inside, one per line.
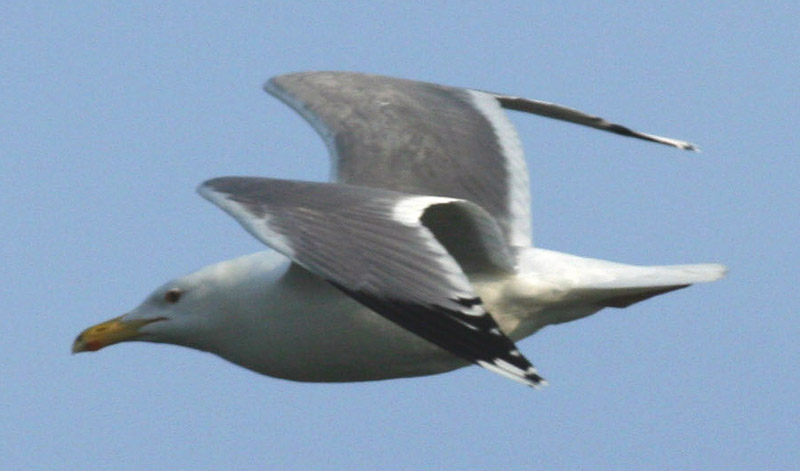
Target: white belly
(329,337)
(307,330)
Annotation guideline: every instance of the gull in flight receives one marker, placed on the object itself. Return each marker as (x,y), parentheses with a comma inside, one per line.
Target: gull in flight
(416,259)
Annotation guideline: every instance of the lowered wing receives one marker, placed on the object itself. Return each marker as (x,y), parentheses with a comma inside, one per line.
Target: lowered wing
(387,250)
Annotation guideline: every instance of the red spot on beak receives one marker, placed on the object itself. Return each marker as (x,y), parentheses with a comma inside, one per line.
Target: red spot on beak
(93,346)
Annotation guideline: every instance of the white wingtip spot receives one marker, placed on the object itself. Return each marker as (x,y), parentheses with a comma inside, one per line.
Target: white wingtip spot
(683,145)
(510,371)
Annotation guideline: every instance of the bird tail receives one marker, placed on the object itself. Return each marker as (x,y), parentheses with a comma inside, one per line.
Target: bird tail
(633,283)
(601,283)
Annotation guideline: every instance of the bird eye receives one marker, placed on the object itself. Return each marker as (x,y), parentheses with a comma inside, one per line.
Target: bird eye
(173,296)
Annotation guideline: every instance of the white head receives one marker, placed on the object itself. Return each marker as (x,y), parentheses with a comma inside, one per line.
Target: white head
(195,310)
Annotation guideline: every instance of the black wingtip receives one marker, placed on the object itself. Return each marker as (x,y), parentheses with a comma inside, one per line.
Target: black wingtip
(527,376)
(535,380)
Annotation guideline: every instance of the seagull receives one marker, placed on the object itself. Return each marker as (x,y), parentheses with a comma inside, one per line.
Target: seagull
(416,259)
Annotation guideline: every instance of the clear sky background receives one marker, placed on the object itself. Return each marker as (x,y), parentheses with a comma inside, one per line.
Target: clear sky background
(112,112)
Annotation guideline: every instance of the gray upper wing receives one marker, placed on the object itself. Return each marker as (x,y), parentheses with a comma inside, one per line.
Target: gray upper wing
(424,138)
(419,138)
(388,251)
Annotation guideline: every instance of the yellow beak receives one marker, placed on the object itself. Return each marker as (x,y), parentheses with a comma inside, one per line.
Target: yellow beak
(108,333)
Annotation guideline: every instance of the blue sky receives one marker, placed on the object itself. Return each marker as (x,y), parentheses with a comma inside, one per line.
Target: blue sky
(111,115)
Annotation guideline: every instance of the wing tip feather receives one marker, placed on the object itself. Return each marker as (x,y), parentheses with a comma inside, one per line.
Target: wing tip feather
(529,377)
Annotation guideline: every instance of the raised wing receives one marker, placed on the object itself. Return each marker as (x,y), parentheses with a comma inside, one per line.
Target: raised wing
(417,138)
(430,139)
(383,249)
